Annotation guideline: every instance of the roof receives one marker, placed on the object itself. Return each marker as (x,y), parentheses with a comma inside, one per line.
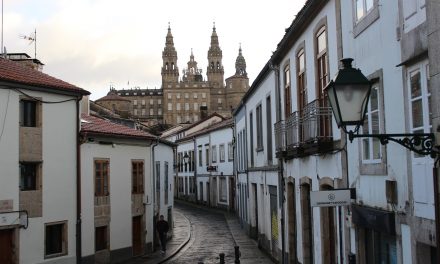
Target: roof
(98,126)
(216,126)
(112,96)
(193,124)
(11,71)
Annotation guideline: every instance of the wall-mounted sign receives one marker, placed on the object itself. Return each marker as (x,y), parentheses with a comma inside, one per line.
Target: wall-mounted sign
(211,168)
(6,205)
(330,198)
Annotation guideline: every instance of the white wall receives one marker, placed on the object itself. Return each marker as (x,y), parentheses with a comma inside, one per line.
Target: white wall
(58,171)
(120,157)
(164,153)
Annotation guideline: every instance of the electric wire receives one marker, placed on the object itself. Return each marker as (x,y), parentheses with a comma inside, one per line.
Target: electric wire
(6,114)
(42,101)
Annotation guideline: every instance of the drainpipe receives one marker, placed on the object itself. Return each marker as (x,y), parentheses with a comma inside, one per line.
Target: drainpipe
(281,191)
(78,184)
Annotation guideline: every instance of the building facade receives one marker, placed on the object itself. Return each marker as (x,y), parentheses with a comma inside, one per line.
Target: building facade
(39,184)
(191,97)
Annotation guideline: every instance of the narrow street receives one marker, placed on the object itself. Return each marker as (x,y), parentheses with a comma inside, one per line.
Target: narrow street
(213,233)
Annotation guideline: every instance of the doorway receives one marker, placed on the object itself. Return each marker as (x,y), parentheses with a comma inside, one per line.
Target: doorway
(291,211)
(208,193)
(254,193)
(231,194)
(137,236)
(7,246)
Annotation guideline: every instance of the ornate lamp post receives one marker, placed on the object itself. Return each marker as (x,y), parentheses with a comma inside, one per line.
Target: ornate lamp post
(348,94)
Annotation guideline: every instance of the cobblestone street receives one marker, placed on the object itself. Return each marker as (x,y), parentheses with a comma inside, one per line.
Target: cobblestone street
(211,232)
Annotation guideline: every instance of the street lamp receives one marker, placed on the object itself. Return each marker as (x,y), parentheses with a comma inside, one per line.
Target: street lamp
(348,94)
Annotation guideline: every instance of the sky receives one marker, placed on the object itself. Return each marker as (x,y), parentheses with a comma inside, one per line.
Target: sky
(95,44)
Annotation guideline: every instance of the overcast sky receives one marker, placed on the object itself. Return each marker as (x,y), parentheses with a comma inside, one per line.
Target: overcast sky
(96,43)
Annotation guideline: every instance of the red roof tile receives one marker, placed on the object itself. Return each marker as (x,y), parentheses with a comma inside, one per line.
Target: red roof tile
(96,125)
(11,71)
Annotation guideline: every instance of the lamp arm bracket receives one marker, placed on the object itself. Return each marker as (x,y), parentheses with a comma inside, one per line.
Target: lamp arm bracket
(422,144)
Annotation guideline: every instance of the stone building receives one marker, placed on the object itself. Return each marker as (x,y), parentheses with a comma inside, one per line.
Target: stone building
(190,98)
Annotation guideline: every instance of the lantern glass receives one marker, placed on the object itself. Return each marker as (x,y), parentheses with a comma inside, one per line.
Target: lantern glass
(352,101)
(186,158)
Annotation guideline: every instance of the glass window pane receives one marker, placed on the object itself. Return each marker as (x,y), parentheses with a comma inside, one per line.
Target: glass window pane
(366,148)
(417,113)
(375,123)
(368,5)
(322,45)
(359,9)
(374,99)
(415,85)
(376,148)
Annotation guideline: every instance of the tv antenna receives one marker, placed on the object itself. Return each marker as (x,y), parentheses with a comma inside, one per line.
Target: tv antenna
(32,39)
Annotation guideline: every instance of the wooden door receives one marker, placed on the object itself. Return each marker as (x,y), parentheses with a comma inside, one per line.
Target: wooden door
(137,235)
(6,246)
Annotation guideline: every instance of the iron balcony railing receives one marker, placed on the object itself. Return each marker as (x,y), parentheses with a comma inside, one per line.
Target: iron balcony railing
(317,122)
(280,136)
(312,125)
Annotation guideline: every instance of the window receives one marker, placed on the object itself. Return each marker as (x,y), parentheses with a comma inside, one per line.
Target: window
(223,190)
(203,95)
(230,152)
(287,94)
(214,154)
(219,100)
(101,238)
(196,106)
(203,103)
(196,118)
(178,119)
(269,129)
(200,157)
(55,239)
(421,109)
(259,128)
(170,106)
(143,112)
(371,147)
(28,113)
(221,149)
(137,172)
(178,106)
(251,137)
(301,81)
(135,112)
(151,111)
(135,102)
(186,95)
(143,102)
(186,106)
(151,102)
(178,95)
(29,176)
(373,155)
(195,95)
(207,154)
(165,185)
(159,101)
(170,95)
(101,177)
(159,111)
(322,69)
(362,8)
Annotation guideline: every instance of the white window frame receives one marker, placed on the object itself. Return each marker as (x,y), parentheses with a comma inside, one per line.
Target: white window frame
(170,106)
(368,116)
(214,153)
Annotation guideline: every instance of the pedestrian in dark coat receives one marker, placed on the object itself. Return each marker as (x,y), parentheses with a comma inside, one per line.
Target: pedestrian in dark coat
(162,228)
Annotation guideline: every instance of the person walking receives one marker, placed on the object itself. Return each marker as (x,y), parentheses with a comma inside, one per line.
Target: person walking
(162,228)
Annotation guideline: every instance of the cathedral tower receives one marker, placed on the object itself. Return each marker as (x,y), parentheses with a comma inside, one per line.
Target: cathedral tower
(238,84)
(215,71)
(170,71)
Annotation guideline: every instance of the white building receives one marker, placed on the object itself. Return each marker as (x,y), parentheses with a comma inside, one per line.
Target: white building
(38,149)
(126,183)
(207,176)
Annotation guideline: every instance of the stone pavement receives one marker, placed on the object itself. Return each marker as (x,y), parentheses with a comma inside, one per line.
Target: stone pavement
(181,236)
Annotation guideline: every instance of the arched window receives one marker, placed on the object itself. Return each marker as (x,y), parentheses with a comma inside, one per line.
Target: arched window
(218,65)
(166,66)
(212,65)
(172,65)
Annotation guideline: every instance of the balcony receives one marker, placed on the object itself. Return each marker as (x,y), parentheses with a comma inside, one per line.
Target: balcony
(305,133)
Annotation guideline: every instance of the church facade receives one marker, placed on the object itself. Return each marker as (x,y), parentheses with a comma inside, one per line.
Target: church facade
(190,97)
